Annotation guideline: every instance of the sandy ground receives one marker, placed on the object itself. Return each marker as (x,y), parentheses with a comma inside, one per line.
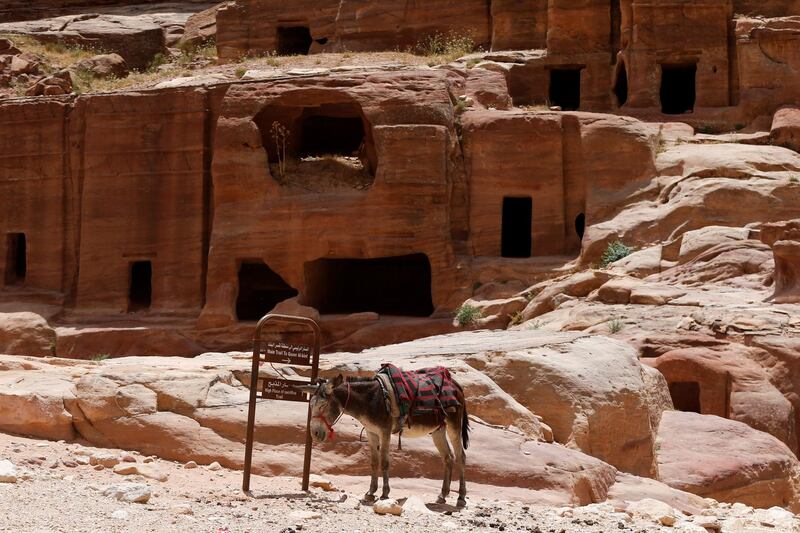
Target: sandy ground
(52,493)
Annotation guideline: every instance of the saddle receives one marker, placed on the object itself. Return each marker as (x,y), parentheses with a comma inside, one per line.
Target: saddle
(417,396)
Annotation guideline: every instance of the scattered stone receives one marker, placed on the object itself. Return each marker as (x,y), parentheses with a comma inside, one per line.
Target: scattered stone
(69,463)
(387,507)
(149,459)
(214,466)
(127,469)
(7,48)
(183,509)
(128,458)
(190,465)
(707,522)
(304,515)
(416,506)
(8,472)
(129,492)
(120,514)
(99,467)
(82,460)
(105,459)
(55,85)
(654,510)
(321,483)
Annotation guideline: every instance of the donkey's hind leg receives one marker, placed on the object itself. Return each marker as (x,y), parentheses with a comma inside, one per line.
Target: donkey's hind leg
(440,440)
(374,456)
(386,440)
(454,433)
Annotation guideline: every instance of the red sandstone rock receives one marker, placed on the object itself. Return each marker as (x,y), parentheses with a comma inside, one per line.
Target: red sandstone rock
(26,333)
(727,383)
(726,460)
(105,66)
(136,40)
(784,238)
(202,27)
(786,128)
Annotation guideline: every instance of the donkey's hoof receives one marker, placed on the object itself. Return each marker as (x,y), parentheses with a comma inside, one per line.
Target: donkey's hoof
(462,502)
(369,498)
(441,499)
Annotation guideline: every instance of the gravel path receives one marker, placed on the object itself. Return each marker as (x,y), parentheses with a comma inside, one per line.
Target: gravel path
(58,488)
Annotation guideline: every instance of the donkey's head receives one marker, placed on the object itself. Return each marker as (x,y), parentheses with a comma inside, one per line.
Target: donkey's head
(325,408)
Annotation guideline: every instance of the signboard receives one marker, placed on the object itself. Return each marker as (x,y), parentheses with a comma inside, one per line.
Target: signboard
(288,354)
(282,389)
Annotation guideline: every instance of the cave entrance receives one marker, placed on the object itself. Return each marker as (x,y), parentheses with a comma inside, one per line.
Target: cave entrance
(621,85)
(678,88)
(260,289)
(580,225)
(330,135)
(294,40)
(399,285)
(16,258)
(565,88)
(516,229)
(685,395)
(140,286)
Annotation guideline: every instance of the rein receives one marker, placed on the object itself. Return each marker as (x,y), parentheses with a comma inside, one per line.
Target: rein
(328,425)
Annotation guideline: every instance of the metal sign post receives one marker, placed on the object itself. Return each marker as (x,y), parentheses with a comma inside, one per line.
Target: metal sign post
(280,389)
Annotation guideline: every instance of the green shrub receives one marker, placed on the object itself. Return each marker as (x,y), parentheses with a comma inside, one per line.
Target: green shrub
(101,357)
(448,46)
(516,318)
(467,315)
(615,325)
(794,179)
(614,252)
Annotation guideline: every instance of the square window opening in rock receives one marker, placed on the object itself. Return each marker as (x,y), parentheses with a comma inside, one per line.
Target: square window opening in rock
(565,88)
(294,41)
(678,88)
(685,395)
(331,135)
(140,287)
(16,259)
(516,238)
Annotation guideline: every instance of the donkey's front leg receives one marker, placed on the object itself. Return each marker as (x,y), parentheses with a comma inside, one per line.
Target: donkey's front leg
(386,440)
(374,442)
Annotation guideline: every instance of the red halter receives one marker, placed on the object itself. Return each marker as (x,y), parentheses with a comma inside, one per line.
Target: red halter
(328,425)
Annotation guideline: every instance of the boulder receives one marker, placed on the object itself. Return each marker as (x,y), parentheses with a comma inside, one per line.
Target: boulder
(726,460)
(785,129)
(136,39)
(607,388)
(104,66)
(26,333)
(58,84)
(202,27)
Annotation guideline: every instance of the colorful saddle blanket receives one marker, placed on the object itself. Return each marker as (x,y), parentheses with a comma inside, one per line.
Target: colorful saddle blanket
(422,393)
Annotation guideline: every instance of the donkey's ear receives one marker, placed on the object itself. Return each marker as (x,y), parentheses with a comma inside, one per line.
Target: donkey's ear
(338,380)
(305,389)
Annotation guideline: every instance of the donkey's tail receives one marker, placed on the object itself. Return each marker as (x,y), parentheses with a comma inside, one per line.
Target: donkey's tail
(465,428)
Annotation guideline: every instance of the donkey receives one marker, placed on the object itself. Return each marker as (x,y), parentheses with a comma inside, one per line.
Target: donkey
(363,399)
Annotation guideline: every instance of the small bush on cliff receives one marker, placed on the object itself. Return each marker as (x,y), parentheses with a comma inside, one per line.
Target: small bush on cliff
(614,252)
(794,179)
(614,325)
(467,315)
(446,47)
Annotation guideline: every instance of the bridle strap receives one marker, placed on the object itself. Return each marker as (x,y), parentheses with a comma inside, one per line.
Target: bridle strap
(328,425)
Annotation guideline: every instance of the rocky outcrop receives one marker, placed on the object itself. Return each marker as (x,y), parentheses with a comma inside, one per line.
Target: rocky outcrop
(136,40)
(727,461)
(784,238)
